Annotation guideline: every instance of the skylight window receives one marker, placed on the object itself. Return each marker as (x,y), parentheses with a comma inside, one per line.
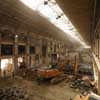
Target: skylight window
(51,10)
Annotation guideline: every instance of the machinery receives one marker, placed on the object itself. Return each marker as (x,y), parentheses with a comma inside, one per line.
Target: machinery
(85,70)
(48,73)
(54,74)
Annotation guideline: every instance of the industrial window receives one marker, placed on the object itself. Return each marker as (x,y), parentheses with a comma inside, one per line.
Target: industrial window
(6,62)
(7,67)
(32,50)
(6,50)
(21,49)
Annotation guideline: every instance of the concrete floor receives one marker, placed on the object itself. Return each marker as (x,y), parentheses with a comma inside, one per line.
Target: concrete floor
(60,91)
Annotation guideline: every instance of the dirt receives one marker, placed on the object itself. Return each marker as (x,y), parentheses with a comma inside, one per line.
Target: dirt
(60,91)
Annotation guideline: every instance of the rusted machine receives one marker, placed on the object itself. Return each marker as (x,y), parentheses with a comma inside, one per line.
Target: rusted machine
(48,73)
(54,75)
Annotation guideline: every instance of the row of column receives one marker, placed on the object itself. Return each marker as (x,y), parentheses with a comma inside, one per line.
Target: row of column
(96,46)
(38,46)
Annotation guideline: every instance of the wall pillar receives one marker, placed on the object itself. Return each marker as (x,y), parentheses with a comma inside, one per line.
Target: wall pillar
(98,48)
(0,56)
(28,52)
(95,47)
(15,53)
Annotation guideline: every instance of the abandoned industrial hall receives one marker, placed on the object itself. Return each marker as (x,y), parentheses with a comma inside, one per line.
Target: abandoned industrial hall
(49,50)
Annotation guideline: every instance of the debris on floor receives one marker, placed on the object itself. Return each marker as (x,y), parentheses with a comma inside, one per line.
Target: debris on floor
(82,86)
(40,92)
(13,93)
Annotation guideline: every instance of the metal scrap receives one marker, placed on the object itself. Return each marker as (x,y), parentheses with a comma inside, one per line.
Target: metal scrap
(82,86)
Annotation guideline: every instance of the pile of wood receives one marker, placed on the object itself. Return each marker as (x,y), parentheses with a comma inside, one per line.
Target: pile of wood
(13,93)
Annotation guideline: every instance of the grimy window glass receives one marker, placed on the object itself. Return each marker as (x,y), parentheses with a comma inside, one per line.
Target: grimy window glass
(32,50)
(6,50)
(21,49)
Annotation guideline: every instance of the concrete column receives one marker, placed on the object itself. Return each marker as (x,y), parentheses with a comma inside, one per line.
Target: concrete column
(98,48)
(95,47)
(48,60)
(44,49)
(15,53)
(28,52)
(0,55)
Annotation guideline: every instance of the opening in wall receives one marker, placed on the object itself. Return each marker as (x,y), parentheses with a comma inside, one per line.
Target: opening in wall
(6,50)
(20,60)
(32,50)
(21,50)
(7,66)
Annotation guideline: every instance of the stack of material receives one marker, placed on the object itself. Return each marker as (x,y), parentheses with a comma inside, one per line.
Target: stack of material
(82,86)
(13,93)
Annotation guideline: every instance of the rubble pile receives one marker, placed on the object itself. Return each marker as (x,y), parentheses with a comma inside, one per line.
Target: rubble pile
(13,93)
(82,86)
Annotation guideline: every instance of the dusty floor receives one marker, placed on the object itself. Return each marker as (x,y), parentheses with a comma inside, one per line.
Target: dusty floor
(61,91)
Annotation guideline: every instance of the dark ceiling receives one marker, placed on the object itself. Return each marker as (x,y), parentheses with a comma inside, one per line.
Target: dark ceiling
(17,17)
(78,13)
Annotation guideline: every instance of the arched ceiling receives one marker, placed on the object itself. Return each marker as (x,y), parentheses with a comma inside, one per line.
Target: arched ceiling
(18,17)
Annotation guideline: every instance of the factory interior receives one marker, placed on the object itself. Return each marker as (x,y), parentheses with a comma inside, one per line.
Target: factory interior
(49,50)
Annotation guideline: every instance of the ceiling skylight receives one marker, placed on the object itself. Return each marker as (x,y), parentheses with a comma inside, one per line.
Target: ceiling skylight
(51,10)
